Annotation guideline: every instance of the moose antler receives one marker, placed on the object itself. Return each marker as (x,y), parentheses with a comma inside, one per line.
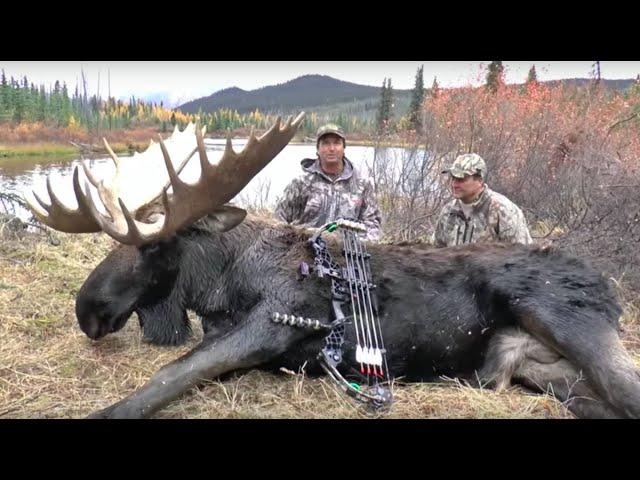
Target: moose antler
(61,217)
(217,185)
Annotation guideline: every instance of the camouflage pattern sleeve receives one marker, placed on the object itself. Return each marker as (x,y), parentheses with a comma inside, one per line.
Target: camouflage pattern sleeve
(370,214)
(439,238)
(513,226)
(291,205)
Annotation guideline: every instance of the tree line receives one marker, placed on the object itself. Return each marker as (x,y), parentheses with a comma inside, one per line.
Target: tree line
(23,102)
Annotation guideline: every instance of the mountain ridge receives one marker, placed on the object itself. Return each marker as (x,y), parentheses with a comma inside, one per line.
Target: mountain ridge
(309,91)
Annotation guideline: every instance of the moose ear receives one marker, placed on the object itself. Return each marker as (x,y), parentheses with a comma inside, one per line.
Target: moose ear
(224,218)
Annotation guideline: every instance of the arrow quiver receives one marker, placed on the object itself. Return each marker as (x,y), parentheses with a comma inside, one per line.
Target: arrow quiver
(351,291)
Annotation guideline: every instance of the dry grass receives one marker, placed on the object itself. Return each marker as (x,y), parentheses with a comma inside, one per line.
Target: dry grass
(40,139)
(50,369)
(31,149)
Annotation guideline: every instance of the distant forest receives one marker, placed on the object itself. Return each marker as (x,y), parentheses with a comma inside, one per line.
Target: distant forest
(359,108)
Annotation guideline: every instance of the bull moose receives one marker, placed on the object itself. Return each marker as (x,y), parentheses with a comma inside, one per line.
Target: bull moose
(498,313)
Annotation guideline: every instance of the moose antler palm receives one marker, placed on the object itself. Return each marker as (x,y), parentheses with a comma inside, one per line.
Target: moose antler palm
(134,224)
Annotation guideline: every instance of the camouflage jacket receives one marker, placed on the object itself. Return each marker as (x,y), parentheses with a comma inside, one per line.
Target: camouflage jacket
(493,218)
(314,199)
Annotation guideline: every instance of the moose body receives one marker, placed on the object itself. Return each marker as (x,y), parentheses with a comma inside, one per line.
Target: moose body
(491,313)
(442,312)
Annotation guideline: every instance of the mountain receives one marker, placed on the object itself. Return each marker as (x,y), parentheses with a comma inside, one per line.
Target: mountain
(620,85)
(300,93)
(322,93)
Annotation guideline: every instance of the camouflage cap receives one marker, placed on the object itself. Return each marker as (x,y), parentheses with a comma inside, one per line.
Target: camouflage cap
(467,164)
(330,128)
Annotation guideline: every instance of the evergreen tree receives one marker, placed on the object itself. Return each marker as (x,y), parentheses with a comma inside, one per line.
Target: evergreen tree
(41,114)
(532,77)
(55,103)
(390,104)
(435,88)
(65,105)
(5,95)
(495,76)
(18,103)
(133,108)
(417,97)
(596,72)
(383,114)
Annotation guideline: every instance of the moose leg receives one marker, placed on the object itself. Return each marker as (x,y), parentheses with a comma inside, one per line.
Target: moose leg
(514,354)
(567,384)
(218,323)
(253,342)
(597,351)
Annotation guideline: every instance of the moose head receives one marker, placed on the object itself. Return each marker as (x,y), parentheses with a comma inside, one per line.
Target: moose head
(139,274)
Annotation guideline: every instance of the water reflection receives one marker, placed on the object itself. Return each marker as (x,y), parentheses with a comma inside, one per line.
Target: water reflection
(21,175)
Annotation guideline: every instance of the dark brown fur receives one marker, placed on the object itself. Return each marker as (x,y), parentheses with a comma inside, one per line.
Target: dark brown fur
(442,312)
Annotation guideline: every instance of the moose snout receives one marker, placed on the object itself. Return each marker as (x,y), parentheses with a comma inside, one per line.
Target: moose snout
(92,328)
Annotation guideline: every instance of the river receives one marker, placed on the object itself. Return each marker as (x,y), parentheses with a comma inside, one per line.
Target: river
(21,175)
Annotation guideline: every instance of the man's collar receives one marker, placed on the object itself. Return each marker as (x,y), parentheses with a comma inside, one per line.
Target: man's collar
(315,167)
(481,200)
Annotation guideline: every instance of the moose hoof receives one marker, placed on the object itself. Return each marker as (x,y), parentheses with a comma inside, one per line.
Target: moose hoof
(118,410)
(101,414)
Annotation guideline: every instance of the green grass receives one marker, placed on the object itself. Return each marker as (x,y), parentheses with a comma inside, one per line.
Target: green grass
(36,149)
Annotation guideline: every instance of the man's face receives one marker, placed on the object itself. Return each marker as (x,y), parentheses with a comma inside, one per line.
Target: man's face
(466,189)
(330,150)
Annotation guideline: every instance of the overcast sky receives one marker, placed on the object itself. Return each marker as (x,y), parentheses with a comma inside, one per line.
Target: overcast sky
(179,82)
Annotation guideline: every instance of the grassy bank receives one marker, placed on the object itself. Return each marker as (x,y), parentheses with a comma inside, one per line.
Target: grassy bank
(35,149)
(50,369)
(39,139)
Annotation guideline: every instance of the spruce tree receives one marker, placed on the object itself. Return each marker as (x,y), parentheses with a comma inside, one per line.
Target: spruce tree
(382,114)
(417,97)
(532,77)
(65,105)
(4,92)
(495,76)
(18,103)
(435,88)
(41,114)
(390,104)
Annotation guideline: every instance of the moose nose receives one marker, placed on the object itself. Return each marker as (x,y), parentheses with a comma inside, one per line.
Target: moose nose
(91,328)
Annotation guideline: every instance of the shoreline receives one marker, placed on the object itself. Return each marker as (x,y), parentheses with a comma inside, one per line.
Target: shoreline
(33,149)
(43,142)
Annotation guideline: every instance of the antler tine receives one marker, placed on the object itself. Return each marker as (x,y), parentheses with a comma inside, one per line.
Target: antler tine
(228,148)
(43,204)
(60,217)
(112,194)
(54,198)
(218,184)
(133,234)
(276,126)
(114,157)
(202,151)
(139,233)
(298,119)
(85,199)
(89,174)
(252,136)
(106,224)
(221,182)
(173,176)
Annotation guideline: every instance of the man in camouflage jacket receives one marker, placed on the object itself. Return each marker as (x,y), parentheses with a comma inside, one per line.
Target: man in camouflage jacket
(330,188)
(477,213)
